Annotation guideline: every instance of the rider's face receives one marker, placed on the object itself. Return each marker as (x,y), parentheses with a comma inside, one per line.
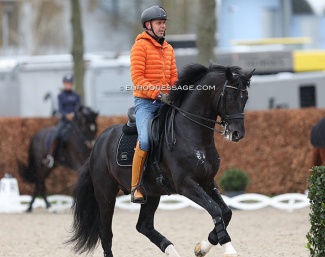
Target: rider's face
(67,86)
(158,26)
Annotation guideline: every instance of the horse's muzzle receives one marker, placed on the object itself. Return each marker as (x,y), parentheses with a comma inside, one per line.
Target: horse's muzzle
(236,136)
(90,143)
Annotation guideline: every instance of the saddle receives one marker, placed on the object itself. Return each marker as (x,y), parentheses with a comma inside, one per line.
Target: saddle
(127,143)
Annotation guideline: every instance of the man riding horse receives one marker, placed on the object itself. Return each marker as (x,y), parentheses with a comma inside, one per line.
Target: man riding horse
(153,70)
(68,101)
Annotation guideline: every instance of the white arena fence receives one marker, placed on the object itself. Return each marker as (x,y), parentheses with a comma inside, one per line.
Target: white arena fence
(12,202)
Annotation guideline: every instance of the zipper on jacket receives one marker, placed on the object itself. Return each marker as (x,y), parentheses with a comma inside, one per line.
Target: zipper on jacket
(163,59)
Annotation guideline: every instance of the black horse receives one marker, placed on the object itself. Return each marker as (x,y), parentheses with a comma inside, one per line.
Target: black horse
(189,160)
(75,145)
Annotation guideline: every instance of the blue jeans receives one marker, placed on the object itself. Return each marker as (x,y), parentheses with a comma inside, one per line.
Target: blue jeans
(145,110)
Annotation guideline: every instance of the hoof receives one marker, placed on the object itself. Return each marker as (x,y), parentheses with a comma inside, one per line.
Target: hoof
(197,251)
(230,251)
(170,251)
(202,248)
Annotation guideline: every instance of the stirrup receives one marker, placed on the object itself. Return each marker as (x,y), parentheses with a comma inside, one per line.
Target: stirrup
(141,200)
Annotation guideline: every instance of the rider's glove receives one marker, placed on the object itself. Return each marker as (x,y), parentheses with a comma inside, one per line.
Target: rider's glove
(163,97)
(69,116)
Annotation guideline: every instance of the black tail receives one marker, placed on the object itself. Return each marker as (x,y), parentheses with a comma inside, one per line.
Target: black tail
(85,226)
(28,172)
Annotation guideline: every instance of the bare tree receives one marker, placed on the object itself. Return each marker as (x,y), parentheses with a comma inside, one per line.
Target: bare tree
(77,47)
(206,31)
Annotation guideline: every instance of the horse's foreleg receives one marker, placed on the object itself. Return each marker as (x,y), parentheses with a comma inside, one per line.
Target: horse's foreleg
(213,191)
(145,226)
(220,215)
(204,247)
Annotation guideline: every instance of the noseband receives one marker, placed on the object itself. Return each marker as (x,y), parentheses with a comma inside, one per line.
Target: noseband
(222,103)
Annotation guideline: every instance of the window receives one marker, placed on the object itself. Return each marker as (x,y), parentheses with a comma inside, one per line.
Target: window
(308,96)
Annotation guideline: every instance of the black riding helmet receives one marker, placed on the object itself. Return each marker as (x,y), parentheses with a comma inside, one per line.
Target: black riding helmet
(153,13)
(68,78)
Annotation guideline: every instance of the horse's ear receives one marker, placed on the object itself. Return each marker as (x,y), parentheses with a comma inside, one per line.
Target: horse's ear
(249,75)
(229,75)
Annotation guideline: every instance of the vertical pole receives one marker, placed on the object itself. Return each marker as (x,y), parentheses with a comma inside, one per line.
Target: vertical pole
(5,30)
(286,17)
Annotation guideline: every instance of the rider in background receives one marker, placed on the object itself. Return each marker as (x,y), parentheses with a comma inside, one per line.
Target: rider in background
(68,100)
(153,71)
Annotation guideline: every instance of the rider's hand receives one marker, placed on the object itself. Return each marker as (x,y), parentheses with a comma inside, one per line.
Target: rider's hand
(163,97)
(69,116)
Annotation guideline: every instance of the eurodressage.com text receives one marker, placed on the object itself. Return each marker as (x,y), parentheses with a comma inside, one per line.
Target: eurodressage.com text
(169,87)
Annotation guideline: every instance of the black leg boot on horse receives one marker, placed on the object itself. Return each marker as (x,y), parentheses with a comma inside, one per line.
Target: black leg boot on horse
(139,159)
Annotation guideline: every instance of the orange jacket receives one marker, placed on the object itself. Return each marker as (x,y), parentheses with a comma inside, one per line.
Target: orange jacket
(153,67)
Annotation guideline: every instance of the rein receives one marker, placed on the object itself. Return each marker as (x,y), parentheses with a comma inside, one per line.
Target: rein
(169,129)
(186,113)
(223,115)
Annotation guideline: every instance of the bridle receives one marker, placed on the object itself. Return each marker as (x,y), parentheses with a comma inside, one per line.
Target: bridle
(169,126)
(223,113)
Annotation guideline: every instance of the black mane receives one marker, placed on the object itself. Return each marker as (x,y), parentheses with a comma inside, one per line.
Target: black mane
(194,72)
(189,75)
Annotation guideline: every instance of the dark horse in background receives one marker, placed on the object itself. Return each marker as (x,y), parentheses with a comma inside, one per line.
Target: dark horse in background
(317,139)
(189,160)
(75,145)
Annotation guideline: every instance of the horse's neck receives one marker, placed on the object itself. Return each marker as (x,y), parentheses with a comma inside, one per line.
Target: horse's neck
(198,104)
(76,150)
(77,138)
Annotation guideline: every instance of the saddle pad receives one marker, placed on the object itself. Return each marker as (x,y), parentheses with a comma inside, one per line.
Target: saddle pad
(317,135)
(125,149)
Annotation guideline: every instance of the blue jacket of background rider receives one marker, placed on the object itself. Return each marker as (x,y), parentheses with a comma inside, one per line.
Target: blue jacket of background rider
(68,101)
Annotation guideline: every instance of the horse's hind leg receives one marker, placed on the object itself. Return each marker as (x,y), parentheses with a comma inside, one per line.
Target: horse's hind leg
(39,190)
(42,191)
(106,201)
(145,226)
(30,207)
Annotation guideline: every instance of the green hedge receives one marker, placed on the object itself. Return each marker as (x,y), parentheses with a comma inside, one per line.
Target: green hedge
(234,179)
(316,195)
